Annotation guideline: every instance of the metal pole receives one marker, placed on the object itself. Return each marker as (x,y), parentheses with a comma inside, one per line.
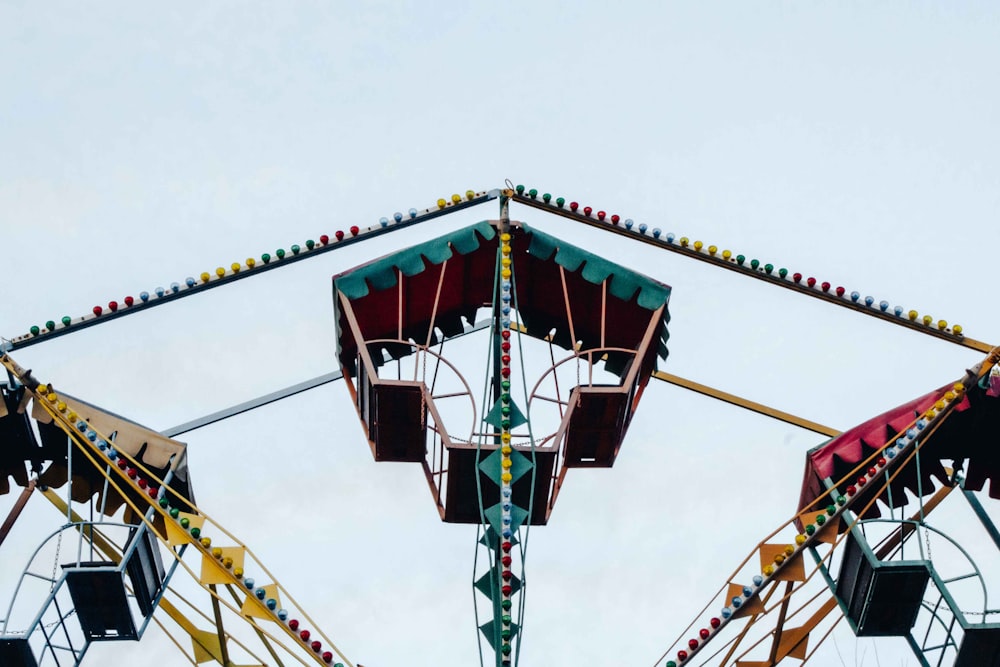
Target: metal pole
(15,511)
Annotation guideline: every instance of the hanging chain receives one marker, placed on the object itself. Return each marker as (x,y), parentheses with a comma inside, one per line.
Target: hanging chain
(55,561)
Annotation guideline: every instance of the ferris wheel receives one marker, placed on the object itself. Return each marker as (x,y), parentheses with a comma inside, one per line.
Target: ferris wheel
(497,358)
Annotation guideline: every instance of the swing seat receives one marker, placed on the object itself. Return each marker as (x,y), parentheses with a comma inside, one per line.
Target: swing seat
(463,498)
(100,600)
(595,426)
(980,646)
(395,415)
(16,652)
(882,598)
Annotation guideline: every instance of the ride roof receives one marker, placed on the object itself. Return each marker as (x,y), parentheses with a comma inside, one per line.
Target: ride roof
(467,260)
(966,435)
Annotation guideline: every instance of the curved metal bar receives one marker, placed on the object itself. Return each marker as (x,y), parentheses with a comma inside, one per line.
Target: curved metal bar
(421,348)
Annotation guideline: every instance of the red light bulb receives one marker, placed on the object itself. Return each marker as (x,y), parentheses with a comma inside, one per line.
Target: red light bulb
(324,239)
(112,306)
(339,234)
(98,310)
(354,230)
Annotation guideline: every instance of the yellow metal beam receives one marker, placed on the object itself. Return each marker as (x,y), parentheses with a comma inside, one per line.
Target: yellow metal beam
(733,399)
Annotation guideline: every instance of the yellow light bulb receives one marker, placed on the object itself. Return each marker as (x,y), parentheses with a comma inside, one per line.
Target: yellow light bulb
(470,194)
(698,245)
(505,273)
(800,539)
(506,450)
(505,463)
(456,199)
(505,437)
(505,237)
(220,272)
(205,276)
(442,203)
(251,262)
(726,254)
(506,477)
(957,329)
(712,250)
(235,266)
(913,314)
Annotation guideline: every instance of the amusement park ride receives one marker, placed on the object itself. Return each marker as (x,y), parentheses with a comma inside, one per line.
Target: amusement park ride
(570,342)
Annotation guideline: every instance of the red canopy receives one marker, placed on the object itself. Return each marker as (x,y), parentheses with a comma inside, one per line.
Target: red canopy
(966,439)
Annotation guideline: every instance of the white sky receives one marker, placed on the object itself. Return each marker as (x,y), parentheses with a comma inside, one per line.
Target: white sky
(139,146)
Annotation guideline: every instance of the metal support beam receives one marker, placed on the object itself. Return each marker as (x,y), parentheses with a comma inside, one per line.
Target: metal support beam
(87,321)
(15,511)
(759,408)
(746,270)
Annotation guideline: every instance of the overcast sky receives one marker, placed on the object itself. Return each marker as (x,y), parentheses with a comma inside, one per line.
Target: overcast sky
(138,146)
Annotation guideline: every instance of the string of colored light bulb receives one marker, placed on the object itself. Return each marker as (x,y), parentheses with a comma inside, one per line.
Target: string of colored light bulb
(752,267)
(154,491)
(506,499)
(238,270)
(902,444)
